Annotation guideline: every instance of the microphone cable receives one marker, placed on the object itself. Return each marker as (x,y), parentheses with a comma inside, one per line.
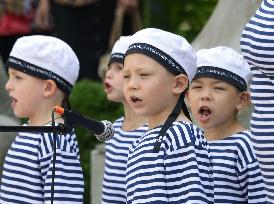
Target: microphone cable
(54,144)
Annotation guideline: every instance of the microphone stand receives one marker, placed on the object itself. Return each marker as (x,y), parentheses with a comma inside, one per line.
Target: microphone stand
(54,135)
(59,129)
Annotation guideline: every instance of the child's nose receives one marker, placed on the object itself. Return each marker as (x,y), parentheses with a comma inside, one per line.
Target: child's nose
(8,85)
(132,84)
(205,95)
(108,74)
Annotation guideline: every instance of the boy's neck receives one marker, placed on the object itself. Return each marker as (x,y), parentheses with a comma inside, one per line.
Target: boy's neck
(44,119)
(131,120)
(160,120)
(222,132)
(43,114)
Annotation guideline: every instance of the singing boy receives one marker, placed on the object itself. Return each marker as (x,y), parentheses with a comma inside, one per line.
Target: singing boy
(42,71)
(170,163)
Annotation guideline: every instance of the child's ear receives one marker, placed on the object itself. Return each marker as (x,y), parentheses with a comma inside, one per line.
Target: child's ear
(50,88)
(181,83)
(243,101)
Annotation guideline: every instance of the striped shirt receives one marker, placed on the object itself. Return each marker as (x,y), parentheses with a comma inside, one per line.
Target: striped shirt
(27,171)
(180,173)
(236,172)
(257,46)
(116,154)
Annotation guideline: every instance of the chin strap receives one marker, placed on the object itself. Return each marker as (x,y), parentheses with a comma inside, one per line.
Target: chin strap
(180,105)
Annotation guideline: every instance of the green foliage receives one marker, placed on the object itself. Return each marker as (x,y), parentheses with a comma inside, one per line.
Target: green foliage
(184,17)
(88,98)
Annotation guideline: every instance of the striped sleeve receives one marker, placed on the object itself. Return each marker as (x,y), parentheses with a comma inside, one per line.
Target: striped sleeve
(237,176)
(249,173)
(257,46)
(27,171)
(21,180)
(257,40)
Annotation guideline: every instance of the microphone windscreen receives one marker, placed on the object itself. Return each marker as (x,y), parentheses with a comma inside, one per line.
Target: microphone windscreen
(107,133)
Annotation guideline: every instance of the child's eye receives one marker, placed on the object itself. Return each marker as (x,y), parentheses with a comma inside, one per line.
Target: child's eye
(219,88)
(17,77)
(195,87)
(118,68)
(143,75)
(126,76)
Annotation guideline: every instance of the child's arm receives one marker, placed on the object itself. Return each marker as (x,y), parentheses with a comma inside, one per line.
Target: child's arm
(257,47)
(249,174)
(252,184)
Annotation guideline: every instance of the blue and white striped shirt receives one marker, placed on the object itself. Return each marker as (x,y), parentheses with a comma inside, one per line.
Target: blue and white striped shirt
(27,171)
(116,155)
(236,172)
(257,46)
(180,173)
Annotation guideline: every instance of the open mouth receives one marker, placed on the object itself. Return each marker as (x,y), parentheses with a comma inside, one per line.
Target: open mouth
(13,101)
(135,99)
(107,86)
(205,112)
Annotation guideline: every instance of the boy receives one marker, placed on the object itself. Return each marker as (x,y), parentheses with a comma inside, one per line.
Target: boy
(127,128)
(42,71)
(257,46)
(170,162)
(216,95)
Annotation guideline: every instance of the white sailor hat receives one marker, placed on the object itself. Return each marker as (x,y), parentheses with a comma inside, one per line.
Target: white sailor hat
(225,64)
(46,57)
(170,50)
(119,49)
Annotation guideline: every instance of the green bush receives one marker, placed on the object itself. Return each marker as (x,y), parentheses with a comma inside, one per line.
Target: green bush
(88,98)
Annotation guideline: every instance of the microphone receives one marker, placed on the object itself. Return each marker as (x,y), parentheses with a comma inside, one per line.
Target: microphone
(103,130)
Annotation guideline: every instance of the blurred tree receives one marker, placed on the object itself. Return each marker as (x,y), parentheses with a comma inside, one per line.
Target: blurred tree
(184,17)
